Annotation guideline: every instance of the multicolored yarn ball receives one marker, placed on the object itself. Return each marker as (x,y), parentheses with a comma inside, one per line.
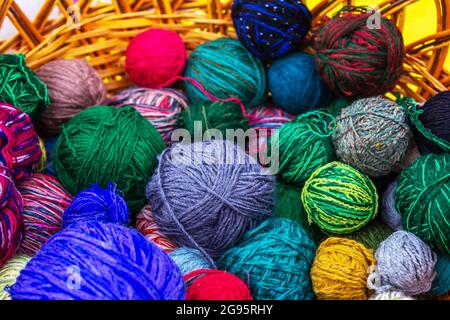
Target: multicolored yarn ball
(372,135)
(421,198)
(371,235)
(226,70)
(339,199)
(340,270)
(44,201)
(275,259)
(103,144)
(99,261)
(155,58)
(206,195)
(161,107)
(390,295)
(296,85)
(40,168)
(97,204)
(270,29)
(190,260)
(21,87)
(404,263)
(9,273)
(389,213)
(441,283)
(355,60)
(73,85)
(146,225)
(215,285)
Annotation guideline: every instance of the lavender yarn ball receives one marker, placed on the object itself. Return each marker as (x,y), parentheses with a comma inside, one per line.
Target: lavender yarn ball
(404,263)
(188,260)
(389,213)
(99,261)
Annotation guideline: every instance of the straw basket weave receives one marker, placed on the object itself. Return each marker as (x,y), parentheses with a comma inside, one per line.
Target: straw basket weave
(101,32)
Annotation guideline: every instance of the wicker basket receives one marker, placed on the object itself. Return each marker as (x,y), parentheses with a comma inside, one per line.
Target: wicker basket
(100,33)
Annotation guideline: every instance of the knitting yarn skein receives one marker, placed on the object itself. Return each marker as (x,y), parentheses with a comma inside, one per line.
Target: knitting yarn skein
(189,260)
(9,273)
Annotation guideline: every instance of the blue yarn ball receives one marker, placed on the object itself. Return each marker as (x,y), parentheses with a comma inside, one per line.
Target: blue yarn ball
(99,261)
(189,259)
(270,29)
(296,85)
(441,284)
(97,204)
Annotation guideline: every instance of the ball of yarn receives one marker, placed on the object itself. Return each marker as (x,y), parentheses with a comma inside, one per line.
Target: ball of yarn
(161,107)
(339,199)
(336,105)
(372,135)
(441,283)
(215,285)
(339,271)
(206,195)
(296,85)
(73,85)
(404,263)
(97,204)
(225,69)
(155,58)
(189,260)
(355,60)
(269,29)
(390,295)
(44,202)
(146,225)
(389,213)
(421,198)
(275,260)
(371,235)
(103,144)
(21,87)
(9,273)
(99,261)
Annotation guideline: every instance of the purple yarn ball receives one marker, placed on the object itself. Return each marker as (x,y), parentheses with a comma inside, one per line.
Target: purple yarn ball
(389,214)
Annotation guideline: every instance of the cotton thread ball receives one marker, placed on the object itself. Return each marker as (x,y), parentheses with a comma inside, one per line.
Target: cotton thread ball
(21,86)
(44,202)
(215,285)
(355,60)
(339,271)
(206,195)
(296,85)
(421,198)
(155,58)
(9,273)
(389,213)
(390,295)
(371,235)
(404,263)
(190,260)
(269,29)
(275,258)
(103,144)
(106,262)
(372,135)
(225,69)
(441,283)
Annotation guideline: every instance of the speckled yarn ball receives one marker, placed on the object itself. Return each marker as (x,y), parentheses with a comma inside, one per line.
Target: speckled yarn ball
(9,273)
(189,260)
(389,213)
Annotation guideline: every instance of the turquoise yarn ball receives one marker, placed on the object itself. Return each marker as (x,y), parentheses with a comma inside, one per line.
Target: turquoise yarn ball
(295,84)
(441,284)
(275,258)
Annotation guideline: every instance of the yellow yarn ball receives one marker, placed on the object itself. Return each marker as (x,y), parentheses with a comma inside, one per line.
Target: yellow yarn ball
(9,273)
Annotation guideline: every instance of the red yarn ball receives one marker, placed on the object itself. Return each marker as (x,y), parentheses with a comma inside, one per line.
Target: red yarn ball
(205,284)
(155,58)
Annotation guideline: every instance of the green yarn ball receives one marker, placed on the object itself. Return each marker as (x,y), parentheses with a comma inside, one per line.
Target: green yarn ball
(21,87)
(103,144)
(275,258)
(339,199)
(371,235)
(338,104)
(225,69)
(422,198)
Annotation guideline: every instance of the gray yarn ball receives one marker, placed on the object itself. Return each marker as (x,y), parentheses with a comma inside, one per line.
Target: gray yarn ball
(372,135)
(188,260)
(389,213)
(403,263)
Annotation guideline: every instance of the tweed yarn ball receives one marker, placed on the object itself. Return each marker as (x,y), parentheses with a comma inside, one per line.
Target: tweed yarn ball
(441,283)
(391,295)
(355,60)
(404,263)
(269,29)
(206,195)
(21,87)
(340,270)
(9,273)
(103,144)
(190,260)
(99,261)
(371,235)
(339,199)
(44,202)
(389,213)
(225,69)
(275,259)
(421,198)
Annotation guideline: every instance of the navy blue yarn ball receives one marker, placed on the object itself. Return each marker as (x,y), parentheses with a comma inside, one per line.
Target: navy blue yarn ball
(271,29)
(296,85)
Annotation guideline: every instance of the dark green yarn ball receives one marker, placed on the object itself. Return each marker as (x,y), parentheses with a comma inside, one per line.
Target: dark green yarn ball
(338,104)
(371,235)
(21,87)
(103,144)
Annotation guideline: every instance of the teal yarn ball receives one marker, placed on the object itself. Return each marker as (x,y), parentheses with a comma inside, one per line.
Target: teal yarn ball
(295,84)
(275,258)
(441,283)
(225,69)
